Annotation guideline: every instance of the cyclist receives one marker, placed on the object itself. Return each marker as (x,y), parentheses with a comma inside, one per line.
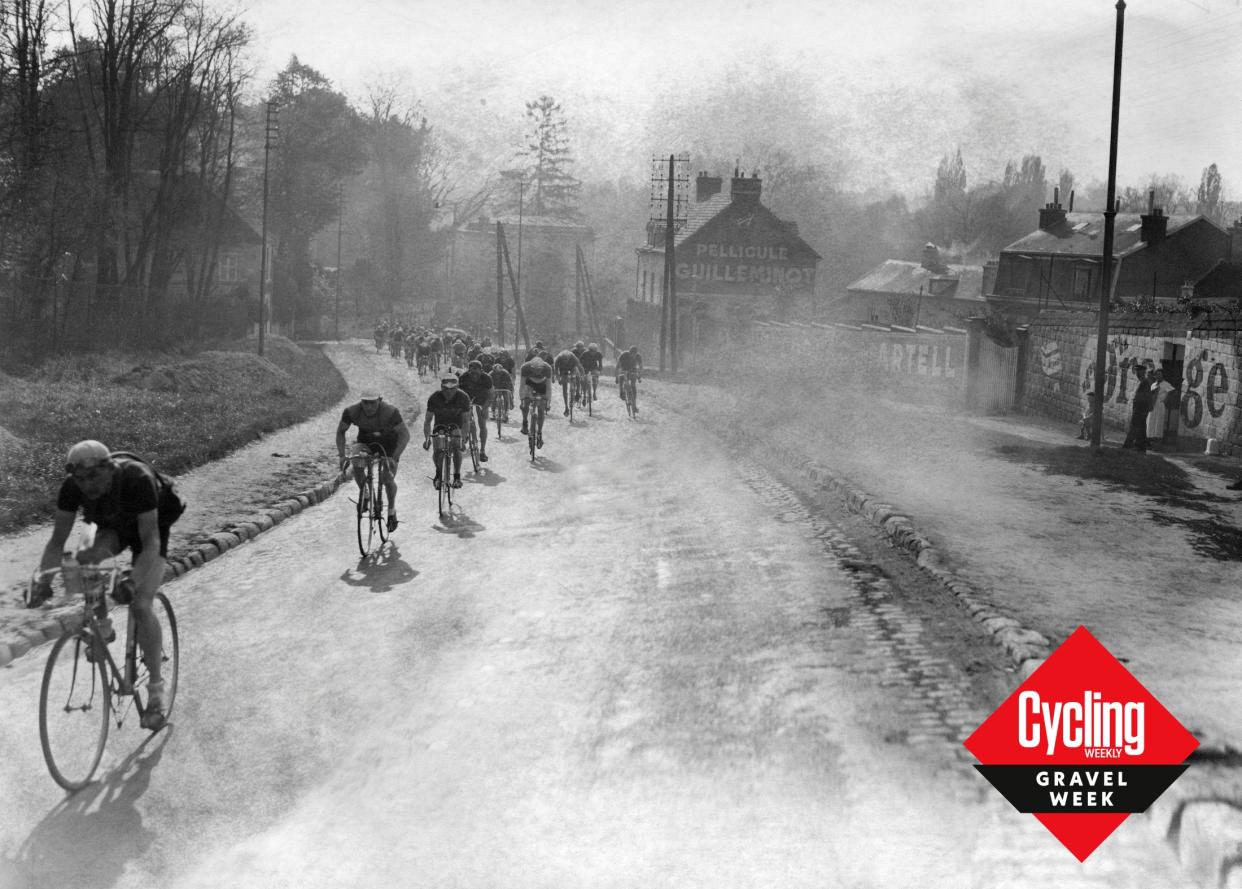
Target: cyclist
(459,353)
(395,338)
(378,424)
(567,365)
(578,349)
(478,385)
(436,346)
(502,388)
(629,366)
(381,334)
(411,346)
(592,363)
(450,409)
(506,360)
(422,353)
(535,376)
(133,507)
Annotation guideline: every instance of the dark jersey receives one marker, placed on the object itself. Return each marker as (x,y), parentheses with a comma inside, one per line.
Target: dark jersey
(448,407)
(592,361)
(479,387)
(135,490)
(629,361)
(501,378)
(383,424)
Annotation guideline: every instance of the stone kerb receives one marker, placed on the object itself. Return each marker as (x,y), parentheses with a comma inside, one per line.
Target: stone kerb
(67,617)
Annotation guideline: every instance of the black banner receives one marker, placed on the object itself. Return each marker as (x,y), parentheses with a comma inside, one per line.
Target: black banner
(1081,788)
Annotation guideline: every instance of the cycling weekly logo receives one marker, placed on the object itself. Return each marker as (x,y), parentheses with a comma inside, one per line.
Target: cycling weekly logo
(1081,745)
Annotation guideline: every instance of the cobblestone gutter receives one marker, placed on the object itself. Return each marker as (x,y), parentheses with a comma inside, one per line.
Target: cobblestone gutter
(52,624)
(1200,816)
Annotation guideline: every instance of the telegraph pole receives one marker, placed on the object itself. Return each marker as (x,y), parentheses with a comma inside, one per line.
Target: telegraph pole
(271,130)
(1110,213)
(340,221)
(670,276)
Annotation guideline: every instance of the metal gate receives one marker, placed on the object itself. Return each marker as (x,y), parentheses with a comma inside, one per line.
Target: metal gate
(995,386)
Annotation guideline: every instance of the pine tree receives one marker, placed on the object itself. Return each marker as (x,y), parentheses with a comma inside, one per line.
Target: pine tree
(553,191)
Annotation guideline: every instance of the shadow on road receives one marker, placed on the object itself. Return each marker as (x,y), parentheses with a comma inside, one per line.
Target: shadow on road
(484,476)
(380,571)
(89,838)
(458,522)
(543,464)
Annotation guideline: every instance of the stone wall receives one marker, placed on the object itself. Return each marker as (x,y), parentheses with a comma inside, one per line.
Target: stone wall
(1061,351)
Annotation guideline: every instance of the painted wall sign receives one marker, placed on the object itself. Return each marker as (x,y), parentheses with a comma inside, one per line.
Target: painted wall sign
(924,359)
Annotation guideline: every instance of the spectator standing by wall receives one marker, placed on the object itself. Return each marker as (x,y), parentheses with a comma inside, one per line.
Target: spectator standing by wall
(1160,389)
(1140,406)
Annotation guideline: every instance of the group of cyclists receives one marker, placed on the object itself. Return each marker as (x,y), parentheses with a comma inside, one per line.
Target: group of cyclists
(133,506)
(457,412)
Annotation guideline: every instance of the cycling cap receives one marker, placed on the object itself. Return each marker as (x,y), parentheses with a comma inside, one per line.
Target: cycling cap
(448,377)
(86,455)
(593,346)
(476,364)
(370,396)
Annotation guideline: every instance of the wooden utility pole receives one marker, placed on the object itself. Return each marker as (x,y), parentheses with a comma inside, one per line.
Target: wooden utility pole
(669,276)
(500,289)
(272,109)
(1110,213)
(340,222)
(517,299)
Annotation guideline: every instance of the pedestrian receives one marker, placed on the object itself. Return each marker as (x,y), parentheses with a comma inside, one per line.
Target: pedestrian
(1087,423)
(1140,406)
(1160,389)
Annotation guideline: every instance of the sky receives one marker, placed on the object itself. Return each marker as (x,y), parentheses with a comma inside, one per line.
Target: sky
(912,80)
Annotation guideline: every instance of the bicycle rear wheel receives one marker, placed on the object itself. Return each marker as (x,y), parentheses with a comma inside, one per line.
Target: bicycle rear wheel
(74,703)
(170,656)
(531,439)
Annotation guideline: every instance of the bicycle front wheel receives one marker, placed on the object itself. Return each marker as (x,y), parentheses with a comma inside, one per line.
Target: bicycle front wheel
(74,704)
(365,528)
(379,517)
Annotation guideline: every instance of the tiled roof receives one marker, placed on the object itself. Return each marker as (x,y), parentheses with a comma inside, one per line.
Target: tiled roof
(1082,234)
(896,276)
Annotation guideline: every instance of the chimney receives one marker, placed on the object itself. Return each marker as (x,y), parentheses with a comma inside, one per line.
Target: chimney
(743,190)
(931,259)
(1155,223)
(1235,242)
(1052,215)
(706,186)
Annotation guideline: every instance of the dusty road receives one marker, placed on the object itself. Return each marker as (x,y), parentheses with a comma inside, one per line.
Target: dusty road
(635,662)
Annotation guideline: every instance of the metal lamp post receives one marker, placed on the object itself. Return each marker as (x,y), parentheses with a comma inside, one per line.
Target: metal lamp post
(520,177)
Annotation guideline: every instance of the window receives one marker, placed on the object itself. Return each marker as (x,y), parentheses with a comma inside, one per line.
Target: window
(228,267)
(1082,282)
(1019,273)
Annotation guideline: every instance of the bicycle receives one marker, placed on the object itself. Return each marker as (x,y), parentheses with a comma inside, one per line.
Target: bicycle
(81,680)
(538,410)
(569,394)
(444,445)
(369,507)
(476,417)
(629,391)
(581,391)
(500,410)
(422,366)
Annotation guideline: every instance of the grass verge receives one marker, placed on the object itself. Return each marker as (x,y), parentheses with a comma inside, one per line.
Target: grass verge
(178,415)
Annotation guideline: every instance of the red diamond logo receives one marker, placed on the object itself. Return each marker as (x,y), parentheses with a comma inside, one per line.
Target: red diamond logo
(1081,745)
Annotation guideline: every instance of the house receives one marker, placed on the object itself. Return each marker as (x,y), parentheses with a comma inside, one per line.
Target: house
(1156,259)
(733,257)
(542,255)
(912,294)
